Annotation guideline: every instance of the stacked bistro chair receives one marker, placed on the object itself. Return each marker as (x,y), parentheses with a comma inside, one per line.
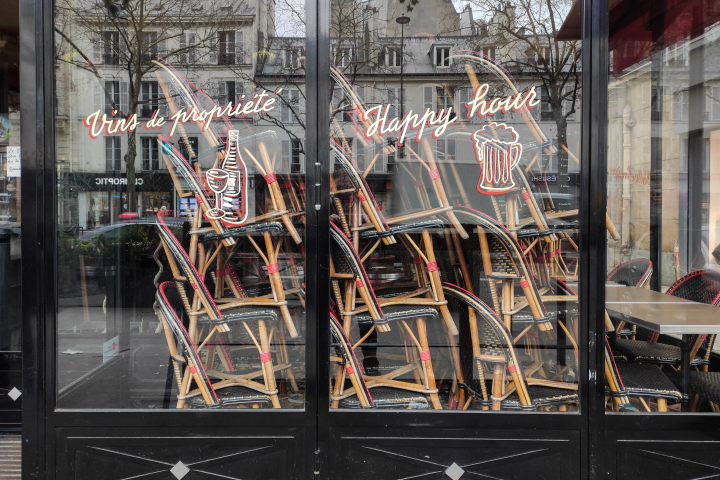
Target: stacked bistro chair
(701,286)
(486,344)
(404,310)
(636,380)
(386,393)
(496,260)
(183,353)
(633,273)
(210,324)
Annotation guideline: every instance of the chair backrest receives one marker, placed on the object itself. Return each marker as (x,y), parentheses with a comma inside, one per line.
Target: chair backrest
(633,273)
(358,180)
(508,255)
(346,260)
(612,375)
(183,261)
(701,286)
(493,335)
(344,350)
(188,348)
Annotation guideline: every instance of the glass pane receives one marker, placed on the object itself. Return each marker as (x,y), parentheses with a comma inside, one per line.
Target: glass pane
(663,283)
(10,218)
(180,163)
(455,138)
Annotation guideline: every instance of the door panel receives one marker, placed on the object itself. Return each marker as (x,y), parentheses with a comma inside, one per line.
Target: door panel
(443,453)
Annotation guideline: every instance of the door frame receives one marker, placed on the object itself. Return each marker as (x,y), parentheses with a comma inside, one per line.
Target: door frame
(47,430)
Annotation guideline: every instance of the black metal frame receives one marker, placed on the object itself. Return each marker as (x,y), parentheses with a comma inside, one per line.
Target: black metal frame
(592,437)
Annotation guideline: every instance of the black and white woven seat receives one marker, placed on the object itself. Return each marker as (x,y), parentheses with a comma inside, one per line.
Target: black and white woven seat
(539,396)
(386,397)
(241,314)
(650,352)
(231,396)
(707,384)
(647,380)
(396,313)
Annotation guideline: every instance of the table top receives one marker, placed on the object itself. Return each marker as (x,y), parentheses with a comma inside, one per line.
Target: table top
(662,313)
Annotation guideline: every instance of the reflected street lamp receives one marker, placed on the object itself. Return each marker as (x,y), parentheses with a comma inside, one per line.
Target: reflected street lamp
(402,20)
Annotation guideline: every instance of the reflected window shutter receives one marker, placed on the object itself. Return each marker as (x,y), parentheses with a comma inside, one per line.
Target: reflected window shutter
(213,55)
(286,155)
(97,55)
(191,40)
(450,149)
(162,49)
(222,92)
(295,104)
(239,47)
(428,98)
(162,103)
(123,98)
(98,101)
(182,45)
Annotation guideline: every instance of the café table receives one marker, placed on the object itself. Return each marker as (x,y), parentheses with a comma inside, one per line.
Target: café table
(667,315)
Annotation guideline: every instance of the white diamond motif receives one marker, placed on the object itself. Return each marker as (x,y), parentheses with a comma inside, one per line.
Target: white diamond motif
(180,470)
(454,471)
(14,393)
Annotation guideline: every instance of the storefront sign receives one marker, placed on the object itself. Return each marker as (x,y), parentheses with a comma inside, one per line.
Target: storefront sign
(116,181)
(258,103)
(13,161)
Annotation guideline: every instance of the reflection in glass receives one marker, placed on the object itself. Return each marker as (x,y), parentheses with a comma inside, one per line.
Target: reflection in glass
(454,145)
(181,204)
(663,169)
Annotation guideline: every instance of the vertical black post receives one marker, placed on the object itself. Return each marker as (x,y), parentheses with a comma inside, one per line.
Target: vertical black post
(696,148)
(685,372)
(656,153)
(593,247)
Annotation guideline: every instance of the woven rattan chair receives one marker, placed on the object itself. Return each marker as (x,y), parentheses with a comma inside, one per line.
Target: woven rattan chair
(633,273)
(701,286)
(184,355)
(400,310)
(492,344)
(386,392)
(251,313)
(637,380)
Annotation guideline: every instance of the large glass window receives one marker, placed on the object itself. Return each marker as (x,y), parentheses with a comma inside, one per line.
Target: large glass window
(454,237)
(663,195)
(181,199)
(10,214)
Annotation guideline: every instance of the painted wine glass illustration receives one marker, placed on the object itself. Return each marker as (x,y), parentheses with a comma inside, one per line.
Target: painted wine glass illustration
(228,183)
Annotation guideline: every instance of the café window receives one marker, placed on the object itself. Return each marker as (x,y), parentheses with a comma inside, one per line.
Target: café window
(663,254)
(227,48)
(112,154)
(441,56)
(150,154)
(187,50)
(292,156)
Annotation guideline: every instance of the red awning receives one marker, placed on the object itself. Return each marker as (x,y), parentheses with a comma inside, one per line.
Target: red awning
(640,27)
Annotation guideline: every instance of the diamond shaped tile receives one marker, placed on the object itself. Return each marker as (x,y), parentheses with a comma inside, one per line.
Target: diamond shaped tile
(454,471)
(14,394)
(180,470)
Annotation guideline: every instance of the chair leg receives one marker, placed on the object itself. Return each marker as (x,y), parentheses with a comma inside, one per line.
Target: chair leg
(286,359)
(661,404)
(497,386)
(267,364)
(422,338)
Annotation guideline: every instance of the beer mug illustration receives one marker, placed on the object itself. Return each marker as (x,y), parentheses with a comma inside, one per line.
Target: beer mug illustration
(497,157)
(229,184)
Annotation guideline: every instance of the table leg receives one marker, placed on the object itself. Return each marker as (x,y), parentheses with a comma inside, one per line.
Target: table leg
(685,373)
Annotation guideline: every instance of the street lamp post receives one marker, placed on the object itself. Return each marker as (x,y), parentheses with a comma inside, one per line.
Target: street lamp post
(402,20)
